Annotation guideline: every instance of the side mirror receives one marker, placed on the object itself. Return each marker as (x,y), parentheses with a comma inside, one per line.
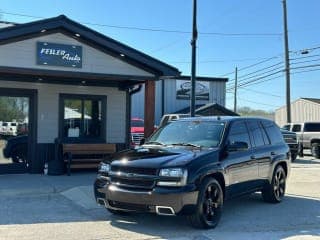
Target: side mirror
(237,146)
(142,141)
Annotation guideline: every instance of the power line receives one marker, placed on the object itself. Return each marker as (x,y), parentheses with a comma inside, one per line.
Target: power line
(158,29)
(260,92)
(262,69)
(260,103)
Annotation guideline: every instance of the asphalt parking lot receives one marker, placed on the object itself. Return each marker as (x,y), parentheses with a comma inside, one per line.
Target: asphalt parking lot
(62,207)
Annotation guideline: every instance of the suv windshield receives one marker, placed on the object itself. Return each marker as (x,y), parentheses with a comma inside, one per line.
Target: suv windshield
(189,133)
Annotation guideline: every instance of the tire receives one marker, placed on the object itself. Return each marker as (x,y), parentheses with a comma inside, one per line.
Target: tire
(18,157)
(300,149)
(274,191)
(293,157)
(315,150)
(209,205)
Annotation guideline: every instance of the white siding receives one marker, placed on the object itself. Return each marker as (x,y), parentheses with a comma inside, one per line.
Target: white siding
(48,108)
(301,111)
(23,54)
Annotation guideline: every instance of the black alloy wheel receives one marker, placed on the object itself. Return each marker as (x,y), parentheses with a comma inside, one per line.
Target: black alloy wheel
(274,192)
(209,206)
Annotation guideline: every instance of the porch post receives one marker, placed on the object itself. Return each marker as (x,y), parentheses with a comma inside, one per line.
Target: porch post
(149,108)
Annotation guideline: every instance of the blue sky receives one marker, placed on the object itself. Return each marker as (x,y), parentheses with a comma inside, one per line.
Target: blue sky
(232,33)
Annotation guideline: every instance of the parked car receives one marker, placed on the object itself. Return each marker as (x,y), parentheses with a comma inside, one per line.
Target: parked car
(166,118)
(191,166)
(137,131)
(308,134)
(9,128)
(16,148)
(291,139)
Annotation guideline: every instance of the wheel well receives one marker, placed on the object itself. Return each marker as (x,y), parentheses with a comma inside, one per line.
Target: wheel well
(285,167)
(219,177)
(315,141)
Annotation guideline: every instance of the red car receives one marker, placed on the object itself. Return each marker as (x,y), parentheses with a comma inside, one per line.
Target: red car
(137,131)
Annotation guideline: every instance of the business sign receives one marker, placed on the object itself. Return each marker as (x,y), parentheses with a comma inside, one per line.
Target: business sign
(54,54)
(184,90)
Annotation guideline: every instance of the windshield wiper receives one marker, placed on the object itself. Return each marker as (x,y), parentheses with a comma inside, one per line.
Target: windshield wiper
(154,143)
(186,144)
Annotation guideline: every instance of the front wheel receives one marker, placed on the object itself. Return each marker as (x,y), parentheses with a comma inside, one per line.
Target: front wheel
(274,191)
(209,205)
(315,150)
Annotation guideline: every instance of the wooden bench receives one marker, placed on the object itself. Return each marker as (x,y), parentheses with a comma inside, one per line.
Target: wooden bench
(85,156)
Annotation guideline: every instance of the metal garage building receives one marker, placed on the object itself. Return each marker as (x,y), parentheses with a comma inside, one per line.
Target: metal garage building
(302,110)
(172,95)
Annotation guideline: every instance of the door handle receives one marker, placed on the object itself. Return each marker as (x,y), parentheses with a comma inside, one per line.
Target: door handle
(253,157)
(273,153)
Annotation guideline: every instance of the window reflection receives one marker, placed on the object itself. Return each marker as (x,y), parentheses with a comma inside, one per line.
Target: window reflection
(82,118)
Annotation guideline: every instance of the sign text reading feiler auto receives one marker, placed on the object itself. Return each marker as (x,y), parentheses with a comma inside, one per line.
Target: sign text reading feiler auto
(56,54)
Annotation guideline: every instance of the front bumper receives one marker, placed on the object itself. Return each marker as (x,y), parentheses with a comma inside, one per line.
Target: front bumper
(179,200)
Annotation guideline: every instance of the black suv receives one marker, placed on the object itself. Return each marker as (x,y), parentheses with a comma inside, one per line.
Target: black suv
(191,166)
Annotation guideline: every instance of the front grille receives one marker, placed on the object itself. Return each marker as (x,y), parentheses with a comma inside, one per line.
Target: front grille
(133,177)
(136,138)
(290,139)
(132,182)
(129,206)
(125,169)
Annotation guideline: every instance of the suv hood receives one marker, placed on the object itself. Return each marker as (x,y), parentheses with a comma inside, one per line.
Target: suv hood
(158,157)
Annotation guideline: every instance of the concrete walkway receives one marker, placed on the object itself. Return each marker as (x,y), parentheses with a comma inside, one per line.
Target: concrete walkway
(78,187)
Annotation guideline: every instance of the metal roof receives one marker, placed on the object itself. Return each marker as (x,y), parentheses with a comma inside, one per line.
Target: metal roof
(315,100)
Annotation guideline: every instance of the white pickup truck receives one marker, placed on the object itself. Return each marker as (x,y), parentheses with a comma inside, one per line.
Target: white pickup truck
(308,134)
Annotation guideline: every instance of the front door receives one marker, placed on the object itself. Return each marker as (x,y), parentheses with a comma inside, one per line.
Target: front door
(242,166)
(16,131)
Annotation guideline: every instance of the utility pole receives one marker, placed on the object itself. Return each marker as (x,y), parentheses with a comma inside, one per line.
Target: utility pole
(287,63)
(235,90)
(193,60)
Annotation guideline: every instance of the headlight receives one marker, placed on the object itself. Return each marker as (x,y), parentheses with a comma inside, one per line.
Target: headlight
(104,167)
(175,177)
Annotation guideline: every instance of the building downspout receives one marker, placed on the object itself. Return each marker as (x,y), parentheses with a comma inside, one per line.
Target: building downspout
(129,93)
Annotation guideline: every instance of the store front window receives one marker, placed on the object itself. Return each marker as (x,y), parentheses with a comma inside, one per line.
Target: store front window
(83,118)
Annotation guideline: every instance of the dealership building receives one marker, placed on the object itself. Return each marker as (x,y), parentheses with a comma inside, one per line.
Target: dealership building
(84,87)
(64,68)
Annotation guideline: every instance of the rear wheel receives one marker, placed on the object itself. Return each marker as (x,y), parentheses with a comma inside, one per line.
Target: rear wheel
(209,205)
(274,191)
(315,150)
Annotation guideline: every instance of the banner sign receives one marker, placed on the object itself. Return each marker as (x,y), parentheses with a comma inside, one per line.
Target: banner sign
(184,90)
(54,54)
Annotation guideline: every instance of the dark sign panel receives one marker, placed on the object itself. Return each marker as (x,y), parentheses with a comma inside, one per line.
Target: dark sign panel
(184,90)
(54,54)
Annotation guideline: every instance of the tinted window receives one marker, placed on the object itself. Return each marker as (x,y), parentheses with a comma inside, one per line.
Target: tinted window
(257,133)
(137,123)
(296,128)
(286,127)
(273,132)
(312,127)
(239,133)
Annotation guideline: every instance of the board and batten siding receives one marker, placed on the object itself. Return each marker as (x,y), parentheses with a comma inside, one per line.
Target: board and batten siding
(22,54)
(172,104)
(48,108)
(302,110)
